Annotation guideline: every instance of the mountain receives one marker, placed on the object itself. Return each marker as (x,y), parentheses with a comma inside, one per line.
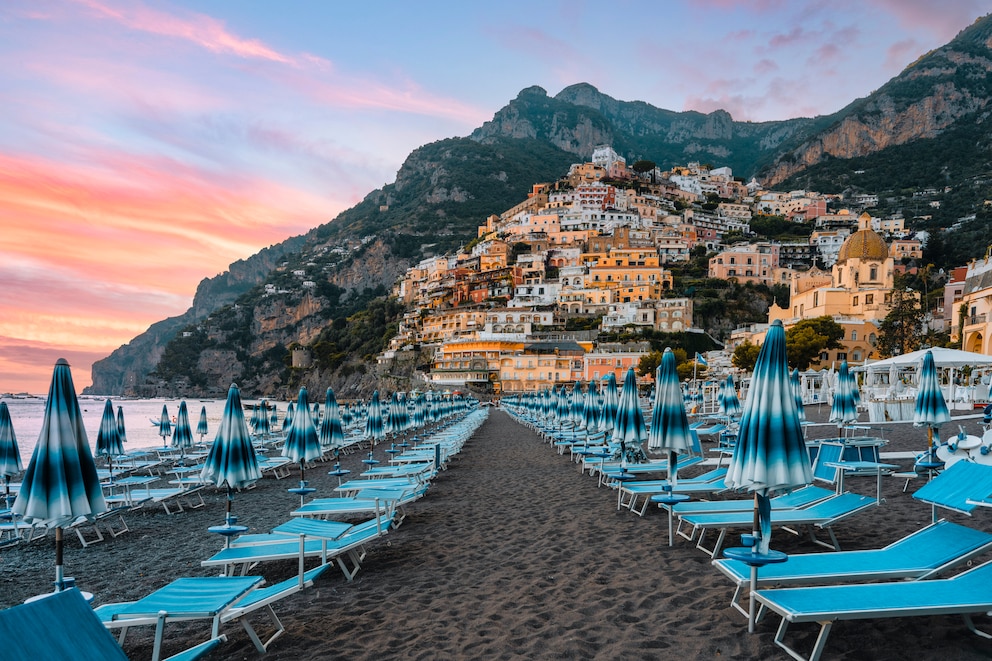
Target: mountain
(927,130)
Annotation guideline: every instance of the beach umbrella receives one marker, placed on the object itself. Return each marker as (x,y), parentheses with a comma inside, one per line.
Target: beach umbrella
(628,429)
(231,461)
(10,456)
(302,444)
(669,424)
(264,428)
(274,418)
(164,425)
(120,425)
(201,424)
(730,404)
(797,392)
(770,456)
(108,438)
(611,403)
(331,431)
(182,435)
(316,413)
(373,421)
(844,409)
(575,405)
(287,422)
(346,416)
(60,484)
(930,409)
(590,409)
(253,421)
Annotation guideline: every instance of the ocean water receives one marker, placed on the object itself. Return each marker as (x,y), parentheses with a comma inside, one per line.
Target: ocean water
(27,416)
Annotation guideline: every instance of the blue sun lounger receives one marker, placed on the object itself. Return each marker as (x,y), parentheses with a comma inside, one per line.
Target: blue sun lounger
(923,554)
(632,492)
(966,594)
(799,498)
(365,501)
(823,514)
(27,633)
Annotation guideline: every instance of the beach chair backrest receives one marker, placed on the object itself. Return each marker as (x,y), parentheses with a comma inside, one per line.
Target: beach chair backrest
(955,486)
(827,453)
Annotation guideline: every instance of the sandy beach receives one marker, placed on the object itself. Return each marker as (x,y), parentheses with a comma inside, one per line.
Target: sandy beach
(511,554)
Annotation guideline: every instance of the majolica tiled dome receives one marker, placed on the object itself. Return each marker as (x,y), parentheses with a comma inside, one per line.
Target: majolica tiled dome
(864,244)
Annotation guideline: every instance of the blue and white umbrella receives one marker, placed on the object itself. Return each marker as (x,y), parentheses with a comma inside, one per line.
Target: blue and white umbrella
(264,427)
(930,409)
(164,425)
(331,431)
(373,421)
(10,456)
(108,437)
(669,424)
(182,436)
(590,409)
(844,409)
(730,403)
(628,429)
(611,404)
(302,444)
(797,392)
(770,456)
(201,424)
(274,418)
(287,422)
(231,461)
(60,484)
(576,405)
(121,431)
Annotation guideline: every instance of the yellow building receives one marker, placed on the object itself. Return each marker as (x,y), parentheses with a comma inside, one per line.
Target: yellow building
(540,365)
(976,304)
(470,362)
(628,267)
(858,296)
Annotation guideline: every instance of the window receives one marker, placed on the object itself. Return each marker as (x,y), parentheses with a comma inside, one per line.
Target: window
(854,301)
(854,337)
(873,273)
(869,299)
(841,355)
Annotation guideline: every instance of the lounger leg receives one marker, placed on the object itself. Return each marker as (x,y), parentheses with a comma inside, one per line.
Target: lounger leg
(821,641)
(159,629)
(735,601)
(971,627)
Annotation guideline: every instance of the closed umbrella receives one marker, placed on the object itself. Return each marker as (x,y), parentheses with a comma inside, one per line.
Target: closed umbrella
(331,431)
(302,444)
(10,456)
(611,403)
(590,409)
(844,409)
(264,428)
(669,424)
(182,435)
(287,422)
(797,392)
(60,484)
(201,425)
(273,419)
(730,403)
(164,425)
(770,456)
(121,431)
(575,405)
(231,461)
(628,429)
(108,438)
(930,410)
(373,421)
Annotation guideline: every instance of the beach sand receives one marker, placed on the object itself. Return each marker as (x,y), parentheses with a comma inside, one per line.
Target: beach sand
(511,554)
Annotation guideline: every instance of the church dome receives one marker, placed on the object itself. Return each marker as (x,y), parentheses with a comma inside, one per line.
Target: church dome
(864,244)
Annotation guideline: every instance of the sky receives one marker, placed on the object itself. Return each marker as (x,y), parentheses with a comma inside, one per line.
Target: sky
(145,146)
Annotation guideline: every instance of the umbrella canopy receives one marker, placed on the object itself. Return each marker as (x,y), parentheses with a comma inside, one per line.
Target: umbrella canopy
(576,404)
(231,461)
(302,444)
(182,436)
(669,424)
(930,409)
(770,456)
(590,409)
(120,424)
(730,403)
(611,404)
(797,392)
(287,422)
(331,431)
(628,429)
(274,418)
(164,424)
(108,438)
(844,409)
(263,428)
(201,425)
(60,484)
(373,420)
(10,456)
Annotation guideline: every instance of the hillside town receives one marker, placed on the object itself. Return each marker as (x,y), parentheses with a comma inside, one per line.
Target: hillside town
(520,308)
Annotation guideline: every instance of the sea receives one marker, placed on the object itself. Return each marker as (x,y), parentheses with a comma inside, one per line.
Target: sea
(27,414)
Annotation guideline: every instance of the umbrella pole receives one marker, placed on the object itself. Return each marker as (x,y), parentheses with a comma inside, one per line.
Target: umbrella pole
(59,576)
(755,532)
(230,499)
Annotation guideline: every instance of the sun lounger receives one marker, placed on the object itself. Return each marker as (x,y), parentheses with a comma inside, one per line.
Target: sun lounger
(923,554)
(177,497)
(27,633)
(632,492)
(798,498)
(966,594)
(365,501)
(823,514)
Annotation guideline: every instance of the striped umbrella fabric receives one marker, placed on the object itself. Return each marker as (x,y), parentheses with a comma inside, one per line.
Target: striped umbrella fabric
(10,456)
(730,403)
(287,422)
(770,456)
(121,431)
(264,426)
(201,424)
(669,430)
(611,404)
(108,438)
(164,425)
(182,436)
(302,444)
(590,409)
(797,392)
(331,431)
(231,461)
(60,484)
(373,421)
(930,409)
(844,409)
(274,418)
(628,429)
(576,404)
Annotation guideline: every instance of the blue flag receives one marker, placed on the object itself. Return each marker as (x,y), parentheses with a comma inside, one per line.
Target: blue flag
(701,360)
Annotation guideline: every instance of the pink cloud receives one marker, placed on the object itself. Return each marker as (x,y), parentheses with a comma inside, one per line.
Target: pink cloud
(942,19)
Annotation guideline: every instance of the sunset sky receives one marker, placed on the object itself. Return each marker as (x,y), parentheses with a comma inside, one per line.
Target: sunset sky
(146,146)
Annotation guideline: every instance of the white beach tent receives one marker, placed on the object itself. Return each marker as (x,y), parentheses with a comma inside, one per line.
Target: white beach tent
(952,359)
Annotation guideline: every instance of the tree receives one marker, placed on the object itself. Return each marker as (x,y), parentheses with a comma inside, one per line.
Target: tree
(649,363)
(806,340)
(642,166)
(745,356)
(902,329)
